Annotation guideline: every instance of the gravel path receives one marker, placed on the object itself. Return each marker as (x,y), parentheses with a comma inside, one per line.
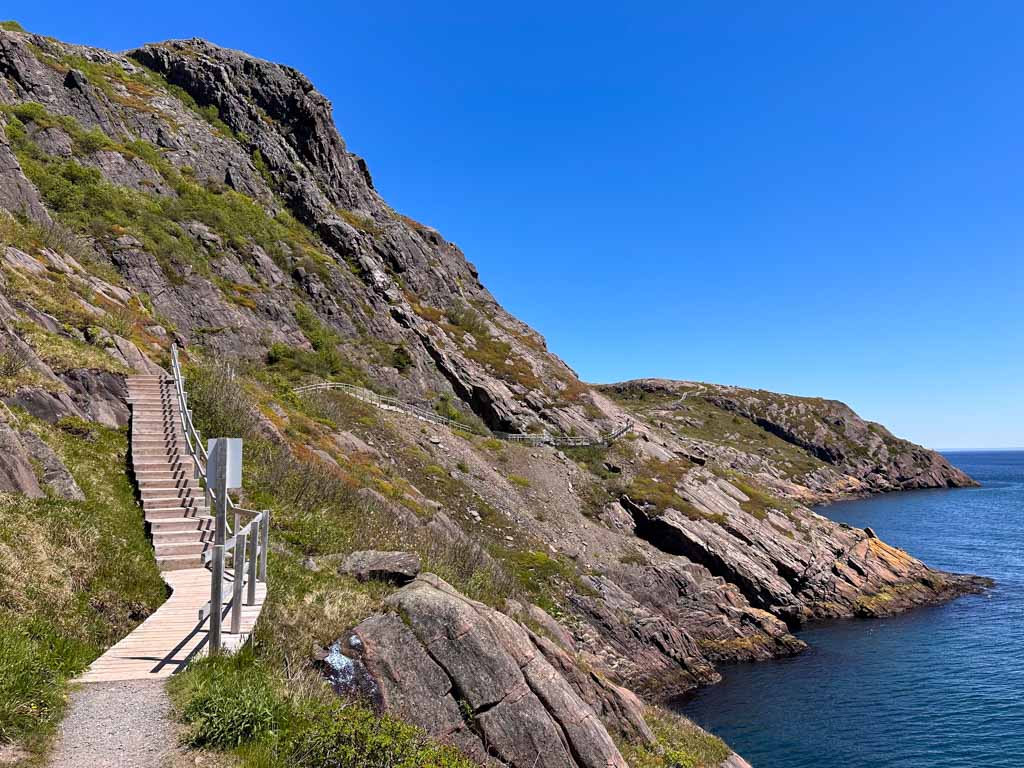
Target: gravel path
(117,725)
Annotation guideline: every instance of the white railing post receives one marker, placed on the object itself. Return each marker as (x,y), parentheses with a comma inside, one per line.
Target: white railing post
(250,597)
(220,489)
(216,598)
(264,550)
(238,559)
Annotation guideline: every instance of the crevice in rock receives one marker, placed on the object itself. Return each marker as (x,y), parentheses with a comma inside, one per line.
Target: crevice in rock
(664,537)
(456,692)
(562,732)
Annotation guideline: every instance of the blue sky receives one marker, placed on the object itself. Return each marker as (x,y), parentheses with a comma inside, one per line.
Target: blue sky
(815,198)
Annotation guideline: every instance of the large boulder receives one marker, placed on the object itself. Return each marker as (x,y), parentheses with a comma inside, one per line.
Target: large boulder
(398,567)
(474,676)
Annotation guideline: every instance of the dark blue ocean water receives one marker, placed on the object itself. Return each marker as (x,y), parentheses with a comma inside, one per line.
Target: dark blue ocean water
(936,688)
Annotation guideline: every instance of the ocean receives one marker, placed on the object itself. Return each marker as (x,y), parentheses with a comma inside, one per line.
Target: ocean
(933,688)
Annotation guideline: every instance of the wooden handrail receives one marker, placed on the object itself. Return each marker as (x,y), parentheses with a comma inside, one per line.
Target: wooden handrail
(248,545)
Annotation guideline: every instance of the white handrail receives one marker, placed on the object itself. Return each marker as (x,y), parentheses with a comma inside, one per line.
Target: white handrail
(248,545)
(194,440)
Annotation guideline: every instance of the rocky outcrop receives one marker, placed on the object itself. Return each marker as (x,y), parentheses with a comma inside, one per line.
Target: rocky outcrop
(689,544)
(474,676)
(397,567)
(825,449)
(16,474)
(55,475)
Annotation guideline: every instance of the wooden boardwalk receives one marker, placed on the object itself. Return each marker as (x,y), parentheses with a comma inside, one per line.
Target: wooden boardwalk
(165,642)
(182,531)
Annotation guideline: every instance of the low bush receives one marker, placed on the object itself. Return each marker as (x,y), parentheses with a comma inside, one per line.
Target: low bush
(678,744)
(236,703)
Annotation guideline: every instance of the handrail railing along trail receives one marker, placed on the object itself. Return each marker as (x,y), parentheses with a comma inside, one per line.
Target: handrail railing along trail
(248,545)
(392,403)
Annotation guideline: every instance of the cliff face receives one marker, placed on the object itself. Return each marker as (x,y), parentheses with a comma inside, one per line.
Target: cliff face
(186,192)
(821,446)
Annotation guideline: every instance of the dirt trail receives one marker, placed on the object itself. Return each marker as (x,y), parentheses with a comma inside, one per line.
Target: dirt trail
(117,725)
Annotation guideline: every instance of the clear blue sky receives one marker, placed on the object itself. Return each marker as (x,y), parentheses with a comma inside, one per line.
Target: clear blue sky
(816,198)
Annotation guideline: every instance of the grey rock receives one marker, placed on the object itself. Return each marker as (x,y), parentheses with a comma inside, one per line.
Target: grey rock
(55,475)
(397,567)
(525,711)
(16,475)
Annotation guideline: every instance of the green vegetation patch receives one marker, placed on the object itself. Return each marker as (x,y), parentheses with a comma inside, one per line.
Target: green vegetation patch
(238,703)
(361,222)
(678,744)
(489,352)
(760,501)
(88,203)
(75,577)
(656,484)
(63,353)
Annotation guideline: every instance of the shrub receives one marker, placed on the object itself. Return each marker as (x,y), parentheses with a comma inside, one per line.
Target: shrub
(359,221)
(401,360)
(13,359)
(227,701)
(678,744)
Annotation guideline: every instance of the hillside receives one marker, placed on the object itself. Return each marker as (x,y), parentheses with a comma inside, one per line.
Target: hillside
(184,193)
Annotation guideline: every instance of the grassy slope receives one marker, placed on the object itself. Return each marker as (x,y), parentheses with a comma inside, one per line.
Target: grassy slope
(282,707)
(74,578)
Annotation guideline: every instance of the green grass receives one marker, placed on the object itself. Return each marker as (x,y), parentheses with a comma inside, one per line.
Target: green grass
(74,578)
(655,484)
(698,418)
(678,744)
(363,223)
(491,353)
(63,353)
(760,501)
(88,203)
(238,703)
(522,482)
(11,26)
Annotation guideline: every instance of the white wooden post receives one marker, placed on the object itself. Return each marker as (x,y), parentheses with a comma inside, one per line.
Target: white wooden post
(236,588)
(216,598)
(264,542)
(220,489)
(250,597)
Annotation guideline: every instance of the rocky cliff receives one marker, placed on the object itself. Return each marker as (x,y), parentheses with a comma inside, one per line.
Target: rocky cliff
(188,193)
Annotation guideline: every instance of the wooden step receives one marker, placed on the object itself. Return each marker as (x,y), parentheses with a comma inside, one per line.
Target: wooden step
(173,514)
(182,548)
(163,537)
(177,443)
(179,562)
(170,487)
(155,514)
(194,525)
(156,464)
(160,500)
(171,484)
(167,472)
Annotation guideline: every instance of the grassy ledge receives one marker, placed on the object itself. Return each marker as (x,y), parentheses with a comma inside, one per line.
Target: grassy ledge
(75,577)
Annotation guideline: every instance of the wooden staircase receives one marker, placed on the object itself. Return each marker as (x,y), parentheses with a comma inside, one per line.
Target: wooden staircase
(173,502)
